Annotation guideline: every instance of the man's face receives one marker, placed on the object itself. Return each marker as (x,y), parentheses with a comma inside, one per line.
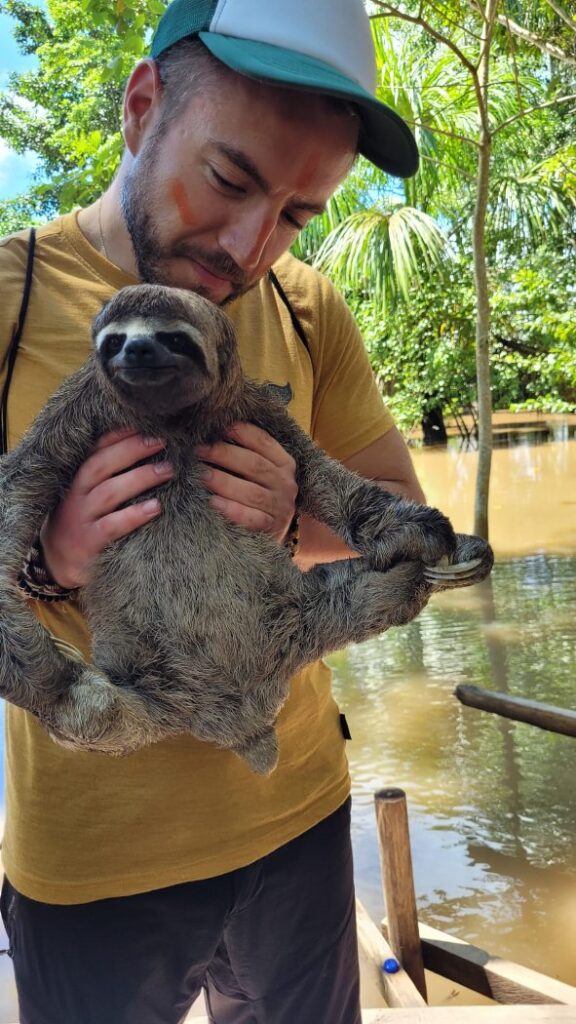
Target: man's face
(213,201)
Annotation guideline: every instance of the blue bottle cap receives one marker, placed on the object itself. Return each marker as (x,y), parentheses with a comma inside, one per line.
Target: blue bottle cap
(391,966)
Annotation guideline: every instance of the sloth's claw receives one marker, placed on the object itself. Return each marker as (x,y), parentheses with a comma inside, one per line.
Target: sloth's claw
(460,572)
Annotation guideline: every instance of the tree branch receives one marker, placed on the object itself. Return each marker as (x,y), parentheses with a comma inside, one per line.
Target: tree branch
(417,19)
(517,346)
(390,11)
(450,165)
(530,110)
(477,8)
(559,10)
(534,40)
(440,131)
(451,21)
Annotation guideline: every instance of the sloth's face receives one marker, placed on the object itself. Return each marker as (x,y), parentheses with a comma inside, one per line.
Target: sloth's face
(164,361)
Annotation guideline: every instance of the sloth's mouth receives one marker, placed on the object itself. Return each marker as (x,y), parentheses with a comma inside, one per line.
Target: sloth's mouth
(146,374)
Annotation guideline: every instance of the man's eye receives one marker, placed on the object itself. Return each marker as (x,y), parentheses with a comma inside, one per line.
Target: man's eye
(224,183)
(293,222)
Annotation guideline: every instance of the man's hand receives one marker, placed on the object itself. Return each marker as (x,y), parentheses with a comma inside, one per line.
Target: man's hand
(255,487)
(89,517)
(255,483)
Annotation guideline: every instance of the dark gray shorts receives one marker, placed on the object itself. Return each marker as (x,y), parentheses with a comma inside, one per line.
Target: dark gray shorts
(272,943)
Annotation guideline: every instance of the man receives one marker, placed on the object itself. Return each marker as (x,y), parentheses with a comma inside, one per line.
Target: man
(133,883)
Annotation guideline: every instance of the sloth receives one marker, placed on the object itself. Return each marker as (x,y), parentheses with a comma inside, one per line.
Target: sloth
(197,624)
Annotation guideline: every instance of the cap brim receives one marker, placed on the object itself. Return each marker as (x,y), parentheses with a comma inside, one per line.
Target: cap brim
(384,137)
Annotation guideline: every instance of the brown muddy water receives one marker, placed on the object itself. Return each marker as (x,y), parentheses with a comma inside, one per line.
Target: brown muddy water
(492,803)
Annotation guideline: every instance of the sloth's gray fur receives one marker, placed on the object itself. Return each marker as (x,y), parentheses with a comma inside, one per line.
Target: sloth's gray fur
(198,624)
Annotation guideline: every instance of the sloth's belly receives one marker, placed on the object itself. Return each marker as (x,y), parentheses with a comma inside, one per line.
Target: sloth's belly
(197,580)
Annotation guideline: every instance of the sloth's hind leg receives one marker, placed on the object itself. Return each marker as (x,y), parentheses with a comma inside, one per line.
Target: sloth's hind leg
(347,602)
(96,715)
(76,703)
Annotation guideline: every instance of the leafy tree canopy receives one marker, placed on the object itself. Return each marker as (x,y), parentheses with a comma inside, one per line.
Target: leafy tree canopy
(400,251)
(68,110)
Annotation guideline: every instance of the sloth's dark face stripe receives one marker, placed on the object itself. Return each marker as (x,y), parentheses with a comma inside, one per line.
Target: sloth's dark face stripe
(149,327)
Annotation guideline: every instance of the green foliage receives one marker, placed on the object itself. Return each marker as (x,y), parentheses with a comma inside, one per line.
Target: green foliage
(418,318)
(379,243)
(400,251)
(69,109)
(535,333)
(422,351)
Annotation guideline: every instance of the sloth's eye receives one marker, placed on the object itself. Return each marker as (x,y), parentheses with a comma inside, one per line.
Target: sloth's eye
(113,344)
(177,342)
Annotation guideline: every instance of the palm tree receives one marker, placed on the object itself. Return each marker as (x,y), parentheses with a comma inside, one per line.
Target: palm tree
(372,244)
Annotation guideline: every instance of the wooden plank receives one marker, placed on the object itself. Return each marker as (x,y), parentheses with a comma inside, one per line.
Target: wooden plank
(473,1015)
(464,1015)
(544,716)
(397,989)
(398,882)
(492,976)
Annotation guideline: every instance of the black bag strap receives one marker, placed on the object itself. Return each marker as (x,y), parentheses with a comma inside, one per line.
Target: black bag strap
(295,321)
(15,342)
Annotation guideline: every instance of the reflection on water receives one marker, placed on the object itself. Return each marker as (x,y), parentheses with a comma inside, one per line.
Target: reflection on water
(492,802)
(520,433)
(532,494)
(531,435)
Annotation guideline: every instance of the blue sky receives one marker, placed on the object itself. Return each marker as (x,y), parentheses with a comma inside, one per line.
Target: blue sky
(15,170)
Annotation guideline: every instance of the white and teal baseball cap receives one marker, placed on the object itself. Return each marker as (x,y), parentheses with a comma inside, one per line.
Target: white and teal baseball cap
(321,45)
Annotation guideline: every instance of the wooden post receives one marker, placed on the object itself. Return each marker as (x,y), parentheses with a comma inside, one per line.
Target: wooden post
(398,883)
(520,709)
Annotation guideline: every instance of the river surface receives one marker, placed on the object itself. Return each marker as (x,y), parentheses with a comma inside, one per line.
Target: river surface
(492,803)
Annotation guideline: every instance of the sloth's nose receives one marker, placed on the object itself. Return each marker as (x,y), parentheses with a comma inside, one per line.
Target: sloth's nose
(141,352)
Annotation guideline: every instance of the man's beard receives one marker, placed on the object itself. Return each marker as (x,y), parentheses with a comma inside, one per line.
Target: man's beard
(152,257)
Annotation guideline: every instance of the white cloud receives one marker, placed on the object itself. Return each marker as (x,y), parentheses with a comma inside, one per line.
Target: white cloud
(25,104)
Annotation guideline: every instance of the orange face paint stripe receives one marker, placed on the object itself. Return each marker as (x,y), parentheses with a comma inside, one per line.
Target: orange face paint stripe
(179,195)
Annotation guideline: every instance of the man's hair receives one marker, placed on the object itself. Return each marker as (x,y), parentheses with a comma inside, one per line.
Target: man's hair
(185,68)
(188,66)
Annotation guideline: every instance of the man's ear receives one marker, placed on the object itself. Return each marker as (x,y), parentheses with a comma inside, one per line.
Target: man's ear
(141,103)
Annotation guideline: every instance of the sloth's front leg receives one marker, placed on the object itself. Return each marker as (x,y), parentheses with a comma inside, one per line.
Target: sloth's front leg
(383,527)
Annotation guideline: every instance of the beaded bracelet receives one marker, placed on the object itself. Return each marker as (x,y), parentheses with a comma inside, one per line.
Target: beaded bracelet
(36,581)
(292,539)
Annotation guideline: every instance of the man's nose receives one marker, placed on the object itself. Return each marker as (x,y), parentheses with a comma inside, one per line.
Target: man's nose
(245,240)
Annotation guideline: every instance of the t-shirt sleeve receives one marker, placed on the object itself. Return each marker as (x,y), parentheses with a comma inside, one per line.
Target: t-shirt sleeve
(349,413)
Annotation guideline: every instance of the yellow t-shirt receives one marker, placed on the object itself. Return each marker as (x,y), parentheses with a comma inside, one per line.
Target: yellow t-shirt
(84,826)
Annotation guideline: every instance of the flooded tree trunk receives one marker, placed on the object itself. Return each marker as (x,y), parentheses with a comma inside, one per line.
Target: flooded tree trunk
(433,426)
(483,375)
